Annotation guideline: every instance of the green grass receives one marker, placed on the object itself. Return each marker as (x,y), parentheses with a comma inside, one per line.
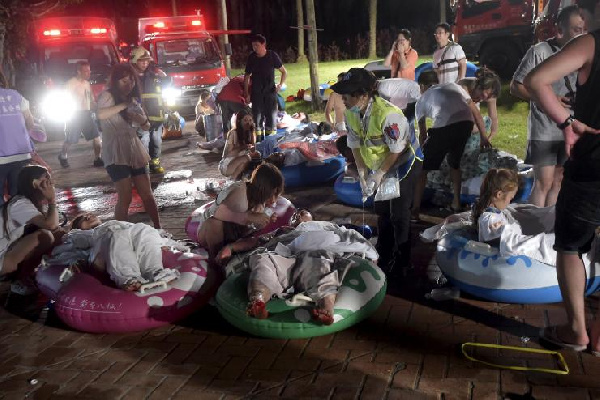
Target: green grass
(512,113)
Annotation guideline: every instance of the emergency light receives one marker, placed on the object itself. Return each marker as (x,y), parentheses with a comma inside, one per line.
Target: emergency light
(52,32)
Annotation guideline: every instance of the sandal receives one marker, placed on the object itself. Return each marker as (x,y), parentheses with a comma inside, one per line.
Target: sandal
(550,335)
(257,309)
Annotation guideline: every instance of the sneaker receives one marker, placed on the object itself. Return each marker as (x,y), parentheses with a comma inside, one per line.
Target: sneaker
(98,162)
(64,162)
(155,166)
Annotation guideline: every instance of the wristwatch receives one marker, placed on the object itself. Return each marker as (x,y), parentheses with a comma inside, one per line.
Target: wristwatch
(566,122)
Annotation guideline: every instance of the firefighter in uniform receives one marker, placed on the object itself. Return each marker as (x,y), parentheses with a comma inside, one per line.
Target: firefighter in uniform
(151,80)
(386,151)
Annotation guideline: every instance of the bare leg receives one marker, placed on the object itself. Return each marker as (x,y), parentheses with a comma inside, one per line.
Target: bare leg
(29,249)
(65,150)
(419,189)
(142,184)
(237,165)
(456,176)
(97,144)
(258,296)
(571,279)
(552,195)
(324,310)
(543,181)
(123,199)
(211,236)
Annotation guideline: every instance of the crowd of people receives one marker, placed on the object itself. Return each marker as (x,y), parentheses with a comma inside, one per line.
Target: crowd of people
(391,132)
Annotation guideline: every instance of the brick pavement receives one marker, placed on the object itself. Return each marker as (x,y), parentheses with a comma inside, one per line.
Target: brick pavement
(409,349)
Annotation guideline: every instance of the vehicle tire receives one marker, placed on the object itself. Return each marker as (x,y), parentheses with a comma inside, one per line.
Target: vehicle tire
(501,57)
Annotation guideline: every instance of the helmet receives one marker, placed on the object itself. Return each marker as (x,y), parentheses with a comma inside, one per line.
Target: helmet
(140,53)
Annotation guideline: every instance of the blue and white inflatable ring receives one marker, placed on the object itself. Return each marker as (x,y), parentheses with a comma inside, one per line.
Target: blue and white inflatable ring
(477,269)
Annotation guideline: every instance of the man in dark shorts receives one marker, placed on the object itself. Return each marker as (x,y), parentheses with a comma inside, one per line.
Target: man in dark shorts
(545,142)
(83,121)
(261,67)
(578,204)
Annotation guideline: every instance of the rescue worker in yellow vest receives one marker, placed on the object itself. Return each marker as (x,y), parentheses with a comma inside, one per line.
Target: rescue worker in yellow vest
(389,160)
(151,80)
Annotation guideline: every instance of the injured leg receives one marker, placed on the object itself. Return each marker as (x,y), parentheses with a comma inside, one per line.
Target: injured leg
(323,312)
(258,296)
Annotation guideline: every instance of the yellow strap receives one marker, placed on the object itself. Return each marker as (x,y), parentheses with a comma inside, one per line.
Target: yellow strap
(561,360)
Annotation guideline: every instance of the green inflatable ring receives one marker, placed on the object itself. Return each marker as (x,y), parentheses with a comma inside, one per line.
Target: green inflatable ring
(361,293)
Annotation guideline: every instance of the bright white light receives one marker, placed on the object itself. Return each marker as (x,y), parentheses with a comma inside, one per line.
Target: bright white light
(170,95)
(59,106)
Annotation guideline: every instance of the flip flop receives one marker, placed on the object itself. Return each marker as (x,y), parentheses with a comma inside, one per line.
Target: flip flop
(550,335)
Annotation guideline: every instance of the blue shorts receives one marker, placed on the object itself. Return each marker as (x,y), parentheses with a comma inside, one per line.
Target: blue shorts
(118,172)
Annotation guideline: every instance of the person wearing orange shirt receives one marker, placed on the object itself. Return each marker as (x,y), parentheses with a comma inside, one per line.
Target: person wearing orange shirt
(402,58)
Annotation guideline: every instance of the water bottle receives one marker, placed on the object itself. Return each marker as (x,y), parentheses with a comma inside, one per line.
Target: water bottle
(442,294)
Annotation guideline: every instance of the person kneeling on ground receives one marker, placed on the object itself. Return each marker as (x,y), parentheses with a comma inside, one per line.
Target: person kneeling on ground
(130,253)
(26,229)
(239,149)
(309,256)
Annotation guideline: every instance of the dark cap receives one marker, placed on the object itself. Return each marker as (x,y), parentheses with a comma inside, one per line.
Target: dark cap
(355,80)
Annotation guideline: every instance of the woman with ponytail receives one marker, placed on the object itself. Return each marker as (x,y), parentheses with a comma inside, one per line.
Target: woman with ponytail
(485,80)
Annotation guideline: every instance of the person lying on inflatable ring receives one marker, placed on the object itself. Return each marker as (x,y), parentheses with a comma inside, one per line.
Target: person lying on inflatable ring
(130,253)
(310,256)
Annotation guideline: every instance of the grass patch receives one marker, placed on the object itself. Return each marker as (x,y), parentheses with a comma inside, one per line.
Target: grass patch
(512,113)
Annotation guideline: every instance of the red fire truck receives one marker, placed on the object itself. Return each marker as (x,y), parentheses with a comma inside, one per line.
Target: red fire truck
(184,49)
(497,32)
(60,43)
(545,24)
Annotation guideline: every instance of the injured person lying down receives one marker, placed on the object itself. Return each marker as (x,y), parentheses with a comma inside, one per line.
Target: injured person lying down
(130,253)
(309,257)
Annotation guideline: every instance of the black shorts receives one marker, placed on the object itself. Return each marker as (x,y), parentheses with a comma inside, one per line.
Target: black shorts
(449,140)
(577,215)
(546,153)
(82,122)
(118,172)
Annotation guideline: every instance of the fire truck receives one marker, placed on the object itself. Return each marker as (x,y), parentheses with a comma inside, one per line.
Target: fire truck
(545,24)
(60,42)
(497,32)
(184,49)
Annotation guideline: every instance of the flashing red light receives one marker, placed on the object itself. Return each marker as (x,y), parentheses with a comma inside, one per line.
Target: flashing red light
(196,22)
(52,32)
(159,24)
(97,31)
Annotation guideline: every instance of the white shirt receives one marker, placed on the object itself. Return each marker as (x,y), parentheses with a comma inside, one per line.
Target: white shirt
(445,60)
(445,104)
(399,91)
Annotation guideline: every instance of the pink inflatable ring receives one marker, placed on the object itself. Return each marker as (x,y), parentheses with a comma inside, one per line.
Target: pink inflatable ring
(90,303)
(283,208)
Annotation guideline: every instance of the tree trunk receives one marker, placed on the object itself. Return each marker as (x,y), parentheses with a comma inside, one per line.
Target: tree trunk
(373,29)
(442,10)
(224,39)
(300,24)
(313,57)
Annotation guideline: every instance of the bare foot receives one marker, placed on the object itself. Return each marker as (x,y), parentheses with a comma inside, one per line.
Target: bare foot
(224,255)
(257,309)
(324,310)
(132,286)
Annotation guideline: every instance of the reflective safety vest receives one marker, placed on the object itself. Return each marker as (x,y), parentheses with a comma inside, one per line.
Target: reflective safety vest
(152,96)
(373,148)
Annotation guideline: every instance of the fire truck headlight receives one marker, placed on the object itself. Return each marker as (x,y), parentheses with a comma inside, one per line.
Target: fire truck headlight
(170,95)
(59,106)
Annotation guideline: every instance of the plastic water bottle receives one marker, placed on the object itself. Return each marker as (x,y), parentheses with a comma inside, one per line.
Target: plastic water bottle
(442,294)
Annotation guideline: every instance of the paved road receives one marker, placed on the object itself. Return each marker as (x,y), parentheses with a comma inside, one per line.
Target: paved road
(409,349)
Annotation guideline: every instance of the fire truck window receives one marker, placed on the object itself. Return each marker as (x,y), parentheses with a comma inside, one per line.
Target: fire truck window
(475,8)
(185,51)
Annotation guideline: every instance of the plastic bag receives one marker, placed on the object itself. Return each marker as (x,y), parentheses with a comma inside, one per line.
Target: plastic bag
(388,189)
